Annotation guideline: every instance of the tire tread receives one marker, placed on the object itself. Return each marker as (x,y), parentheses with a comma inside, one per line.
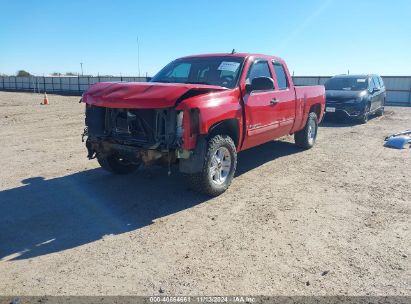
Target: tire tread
(301,137)
(200,181)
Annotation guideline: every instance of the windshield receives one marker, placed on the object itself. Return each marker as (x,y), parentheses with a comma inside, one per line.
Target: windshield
(218,71)
(347,84)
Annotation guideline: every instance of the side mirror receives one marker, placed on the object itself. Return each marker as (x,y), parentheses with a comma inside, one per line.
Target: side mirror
(375,90)
(261,84)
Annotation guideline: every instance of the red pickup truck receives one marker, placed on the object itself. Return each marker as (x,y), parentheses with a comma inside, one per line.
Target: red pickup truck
(199,112)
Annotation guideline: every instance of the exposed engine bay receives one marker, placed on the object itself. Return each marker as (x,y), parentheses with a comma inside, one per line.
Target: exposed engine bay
(138,135)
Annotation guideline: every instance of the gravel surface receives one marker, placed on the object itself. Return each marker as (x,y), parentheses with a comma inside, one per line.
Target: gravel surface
(333,220)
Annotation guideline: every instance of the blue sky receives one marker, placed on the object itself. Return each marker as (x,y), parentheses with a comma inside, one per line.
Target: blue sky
(315,37)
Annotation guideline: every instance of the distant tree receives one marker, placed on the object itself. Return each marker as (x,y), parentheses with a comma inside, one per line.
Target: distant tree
(56,74)
(22,73)
(71,74)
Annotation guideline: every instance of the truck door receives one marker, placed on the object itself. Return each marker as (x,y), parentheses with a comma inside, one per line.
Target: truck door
(262,116)
(285,95)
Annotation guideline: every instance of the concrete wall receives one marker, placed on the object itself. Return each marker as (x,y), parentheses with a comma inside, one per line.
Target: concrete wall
(398,87)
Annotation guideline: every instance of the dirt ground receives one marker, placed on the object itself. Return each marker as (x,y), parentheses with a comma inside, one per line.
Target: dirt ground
(333,220)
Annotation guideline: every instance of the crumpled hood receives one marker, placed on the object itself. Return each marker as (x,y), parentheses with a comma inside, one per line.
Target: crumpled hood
(141,95)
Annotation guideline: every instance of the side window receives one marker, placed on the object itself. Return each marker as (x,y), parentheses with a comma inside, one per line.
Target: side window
(376,82)
(258,69)
(281,75)
(370,84)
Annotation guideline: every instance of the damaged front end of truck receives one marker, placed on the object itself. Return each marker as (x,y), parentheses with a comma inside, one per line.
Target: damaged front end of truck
(128,124)
(138,135)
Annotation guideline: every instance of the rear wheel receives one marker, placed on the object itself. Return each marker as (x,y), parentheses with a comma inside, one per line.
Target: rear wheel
(115,164)
(380,111)
(307,136)
(218,169)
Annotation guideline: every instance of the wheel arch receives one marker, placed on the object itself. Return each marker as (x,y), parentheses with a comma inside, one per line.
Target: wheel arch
(315,108)
(228,127)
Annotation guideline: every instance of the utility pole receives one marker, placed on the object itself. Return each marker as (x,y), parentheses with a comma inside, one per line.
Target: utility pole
(81,65)
(138,57)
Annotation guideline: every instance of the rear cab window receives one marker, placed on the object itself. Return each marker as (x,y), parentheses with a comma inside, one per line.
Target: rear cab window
(281,75)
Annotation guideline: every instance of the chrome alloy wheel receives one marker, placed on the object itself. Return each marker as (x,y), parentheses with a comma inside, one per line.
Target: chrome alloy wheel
(220,165)
(312,131)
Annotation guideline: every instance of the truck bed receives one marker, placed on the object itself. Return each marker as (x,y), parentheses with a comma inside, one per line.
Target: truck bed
(306,97)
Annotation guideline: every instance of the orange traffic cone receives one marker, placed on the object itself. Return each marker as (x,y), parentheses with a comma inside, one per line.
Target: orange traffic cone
(45,100)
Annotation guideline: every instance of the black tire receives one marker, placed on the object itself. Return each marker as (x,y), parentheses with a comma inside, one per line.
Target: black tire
(307,136)
(366,115)
(207,183)
(115,164)
(381,110)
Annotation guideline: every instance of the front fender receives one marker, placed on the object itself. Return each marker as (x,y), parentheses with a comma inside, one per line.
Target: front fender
(211,108)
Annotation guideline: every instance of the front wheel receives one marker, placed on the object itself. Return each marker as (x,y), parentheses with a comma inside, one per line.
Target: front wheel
(115,164)
(218,169)
(366,115)
(307,136)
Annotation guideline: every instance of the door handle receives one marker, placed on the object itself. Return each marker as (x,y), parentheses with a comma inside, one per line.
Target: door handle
(274,101)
